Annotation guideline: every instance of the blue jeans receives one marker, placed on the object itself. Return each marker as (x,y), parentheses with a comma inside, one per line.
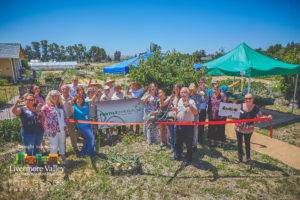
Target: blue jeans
(32,143)
(89,139)
(172,131)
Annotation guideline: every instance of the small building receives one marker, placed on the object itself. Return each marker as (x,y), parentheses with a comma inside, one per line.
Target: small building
(11,55)
(35,65)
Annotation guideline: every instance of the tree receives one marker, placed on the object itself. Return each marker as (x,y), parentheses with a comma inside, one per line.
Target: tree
(167,70)
(198,55)
(108,58)
(29,54)
(37,51)
(96,54)
(54,51)
(154,47)
(117,56)
(220,53)
(61,53)
(71,52)
(44,44)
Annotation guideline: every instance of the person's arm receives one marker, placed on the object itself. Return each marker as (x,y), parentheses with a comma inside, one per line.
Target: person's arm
(61,83)
(166,102)
(93,98)
(71,108)
(90,81)
(16,110)
(145,101)
(193,109)
(128,91)
(234,84)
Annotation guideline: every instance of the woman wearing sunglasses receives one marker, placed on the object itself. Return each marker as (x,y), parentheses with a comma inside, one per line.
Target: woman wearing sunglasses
(32,129)
(245,129)
(55,123)
(36,91)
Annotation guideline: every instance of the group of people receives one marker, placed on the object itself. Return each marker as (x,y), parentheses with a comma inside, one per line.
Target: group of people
(49,117)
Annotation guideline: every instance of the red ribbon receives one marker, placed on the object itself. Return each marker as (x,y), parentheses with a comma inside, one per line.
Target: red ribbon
(183,123)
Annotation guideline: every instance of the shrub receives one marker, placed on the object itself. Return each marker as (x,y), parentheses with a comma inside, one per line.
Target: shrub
(10,130)
(166,70)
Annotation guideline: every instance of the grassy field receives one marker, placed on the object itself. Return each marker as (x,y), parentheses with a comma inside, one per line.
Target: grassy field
(212,175)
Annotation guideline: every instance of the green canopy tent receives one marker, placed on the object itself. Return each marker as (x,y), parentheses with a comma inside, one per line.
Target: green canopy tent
(245,61)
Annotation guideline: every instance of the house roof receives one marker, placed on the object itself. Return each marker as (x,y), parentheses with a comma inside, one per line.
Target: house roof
(11,50)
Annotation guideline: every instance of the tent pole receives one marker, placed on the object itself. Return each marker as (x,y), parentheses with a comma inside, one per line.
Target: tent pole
(103,77)
(125,85)
(233,82)
(249,82)
(295,89)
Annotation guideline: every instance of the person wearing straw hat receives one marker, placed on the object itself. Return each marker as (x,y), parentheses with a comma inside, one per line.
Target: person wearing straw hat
(110,83)
(197,98)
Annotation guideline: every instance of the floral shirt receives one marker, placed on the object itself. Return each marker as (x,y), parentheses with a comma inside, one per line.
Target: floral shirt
(51,123)
(213,107)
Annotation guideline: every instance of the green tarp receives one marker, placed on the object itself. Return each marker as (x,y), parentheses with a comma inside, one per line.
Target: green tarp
(243,58)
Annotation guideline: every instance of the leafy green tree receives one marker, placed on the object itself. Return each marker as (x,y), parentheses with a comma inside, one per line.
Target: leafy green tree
(155,47)
(117,56)
(37,51)
(54,51)
(166,70)
(61,53)
(44,44)
(96,54)
(108,58)
(197,55)
(71,53)
(29,54)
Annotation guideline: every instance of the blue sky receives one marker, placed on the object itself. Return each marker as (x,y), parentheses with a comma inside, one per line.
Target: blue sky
(130,26)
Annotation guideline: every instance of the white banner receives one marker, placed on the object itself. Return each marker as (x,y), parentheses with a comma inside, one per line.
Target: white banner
(230,109)
(120,111)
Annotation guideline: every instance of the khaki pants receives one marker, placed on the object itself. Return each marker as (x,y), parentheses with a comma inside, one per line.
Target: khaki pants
(73,135)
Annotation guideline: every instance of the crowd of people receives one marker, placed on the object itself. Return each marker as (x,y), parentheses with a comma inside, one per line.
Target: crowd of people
(49,117)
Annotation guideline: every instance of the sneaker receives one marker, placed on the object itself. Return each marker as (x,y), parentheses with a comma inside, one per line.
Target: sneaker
(161,144)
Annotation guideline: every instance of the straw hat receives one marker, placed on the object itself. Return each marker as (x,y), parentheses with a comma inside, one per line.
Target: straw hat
(192,86)
(109,81)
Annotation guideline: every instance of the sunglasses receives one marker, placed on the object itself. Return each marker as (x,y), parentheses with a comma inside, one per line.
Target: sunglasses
(54,96)
(248,98)
(29,100)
